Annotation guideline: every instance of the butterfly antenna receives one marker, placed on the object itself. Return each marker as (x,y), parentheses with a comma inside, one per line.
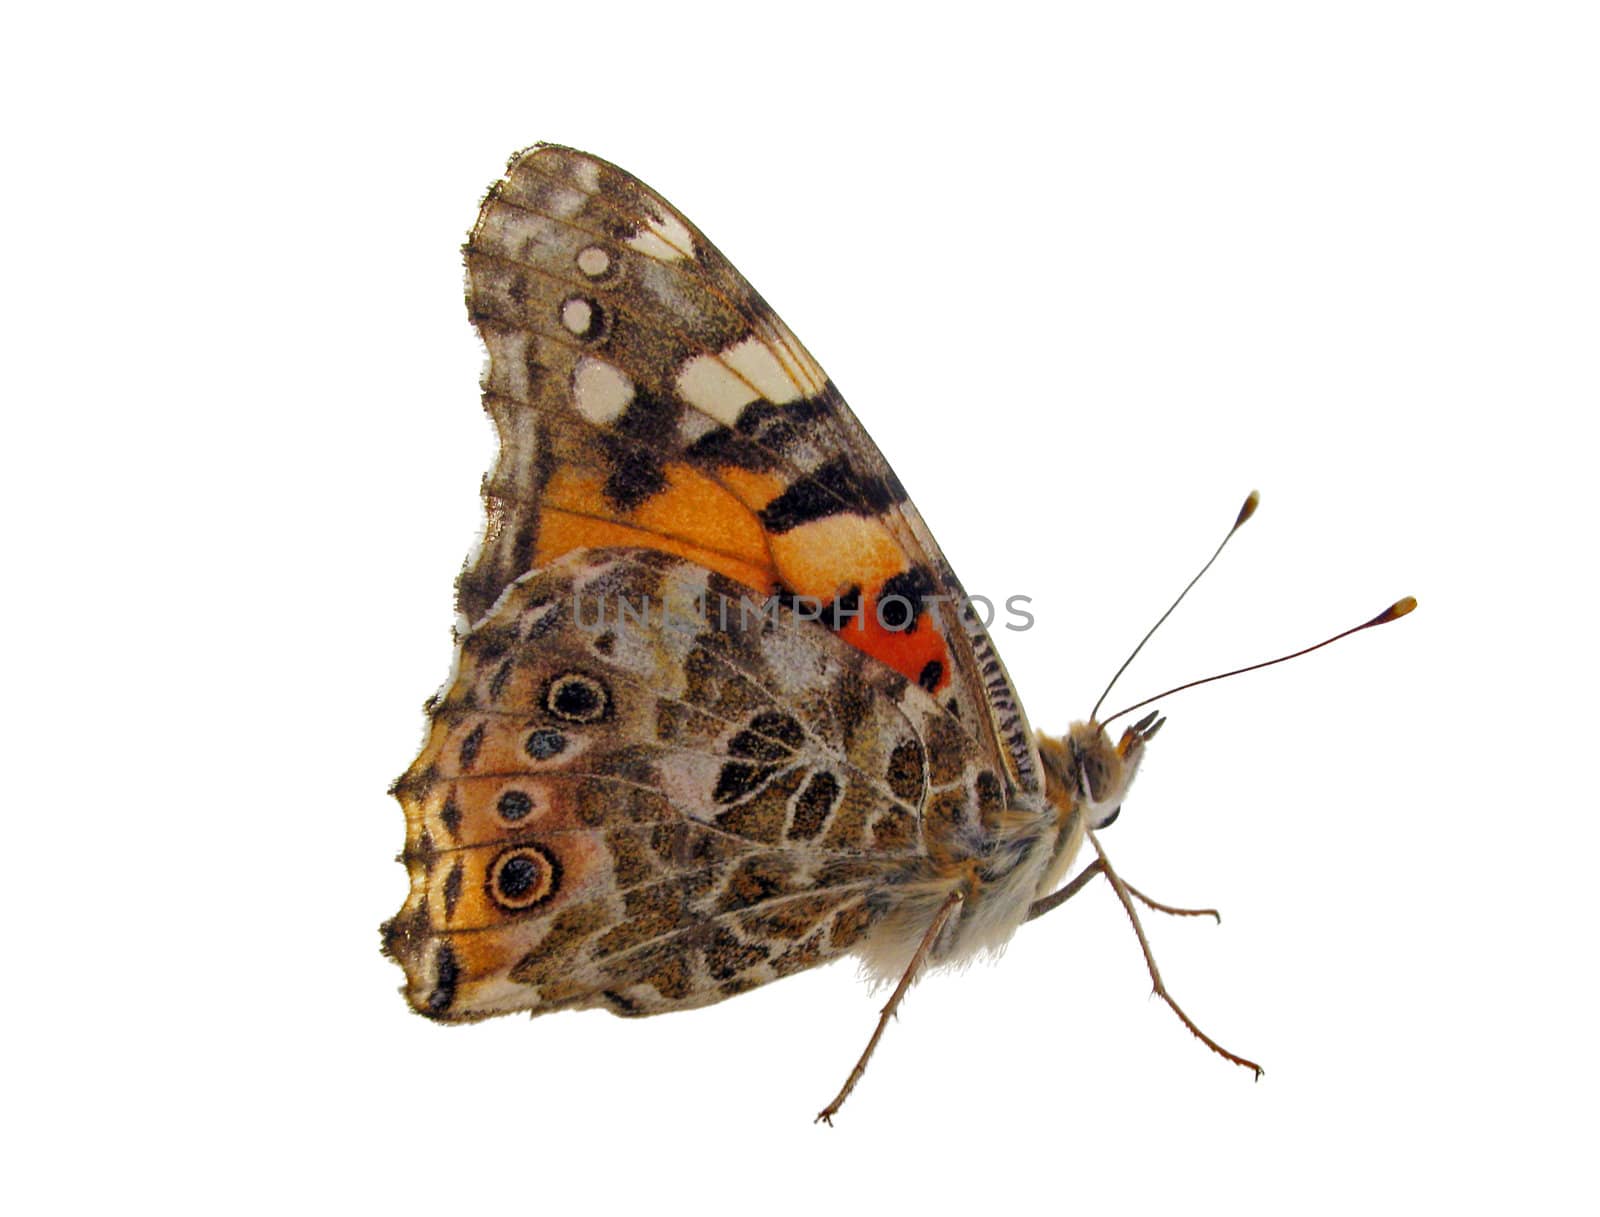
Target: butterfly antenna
(1245,512)
(1396,610)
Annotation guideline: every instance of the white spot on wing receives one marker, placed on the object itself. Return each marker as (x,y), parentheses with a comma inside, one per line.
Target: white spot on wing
(796,358)
(577,314)
(665,238)
(707,384)
(594,261)
(562,202)
(514,234)
(587,174)
(600,391)
(754,360)
(725,383)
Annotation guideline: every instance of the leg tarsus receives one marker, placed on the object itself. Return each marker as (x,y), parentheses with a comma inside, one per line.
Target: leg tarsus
(1160,988)
(1167,908)
(892,1008)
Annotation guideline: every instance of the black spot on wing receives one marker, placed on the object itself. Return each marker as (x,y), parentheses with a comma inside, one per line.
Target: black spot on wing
(725,447)
(523,878)
(621,1005)
(636,444)
(514,805)
(779,726)
(497,683)
(778,427)
(764,434)
(544,744)
(726,956)
(738,779)
(906,769)
(636,475)
(834,489)
(813,805)
(471,746)
(649,419)
(620,228)
(551,619)
(446,974)
(991,795)
(902,599)
(577,698)
(844,611)
(756,747)
(452,891)
(450,815)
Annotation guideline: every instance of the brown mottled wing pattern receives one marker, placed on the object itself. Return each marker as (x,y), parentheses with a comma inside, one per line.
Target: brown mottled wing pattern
(635,796)
(646,396)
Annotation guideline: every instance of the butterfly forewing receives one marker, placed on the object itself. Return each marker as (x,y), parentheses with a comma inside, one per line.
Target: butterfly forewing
(646,396)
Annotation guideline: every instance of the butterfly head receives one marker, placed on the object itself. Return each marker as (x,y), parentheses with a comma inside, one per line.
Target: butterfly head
(1088,775)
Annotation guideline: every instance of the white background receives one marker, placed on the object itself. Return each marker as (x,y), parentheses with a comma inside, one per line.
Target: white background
(1088,274)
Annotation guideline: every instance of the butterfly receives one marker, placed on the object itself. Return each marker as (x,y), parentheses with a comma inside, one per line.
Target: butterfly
(721,711)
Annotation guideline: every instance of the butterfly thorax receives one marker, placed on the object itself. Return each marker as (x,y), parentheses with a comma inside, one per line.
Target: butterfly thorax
(1002,867)
(1086,779)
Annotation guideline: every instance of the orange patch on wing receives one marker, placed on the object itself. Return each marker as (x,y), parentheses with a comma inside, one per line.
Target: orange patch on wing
(826,557)
(755,490)
(692,517)
(691,507)
(908,653)
(561,532)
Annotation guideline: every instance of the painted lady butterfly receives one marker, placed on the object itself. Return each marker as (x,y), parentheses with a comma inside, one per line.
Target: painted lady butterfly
(722,713)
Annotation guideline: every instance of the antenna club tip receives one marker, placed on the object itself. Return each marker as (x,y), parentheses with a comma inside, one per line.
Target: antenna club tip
(1398,609)
(1249,509)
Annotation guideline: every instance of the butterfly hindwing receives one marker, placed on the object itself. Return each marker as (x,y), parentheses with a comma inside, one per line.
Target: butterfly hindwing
(634,795)
(646,396)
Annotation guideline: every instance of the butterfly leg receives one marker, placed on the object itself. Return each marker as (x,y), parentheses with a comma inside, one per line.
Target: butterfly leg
(826,1115)
(1098,867)
(1057,898)
(1125,894)
(1167,908)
